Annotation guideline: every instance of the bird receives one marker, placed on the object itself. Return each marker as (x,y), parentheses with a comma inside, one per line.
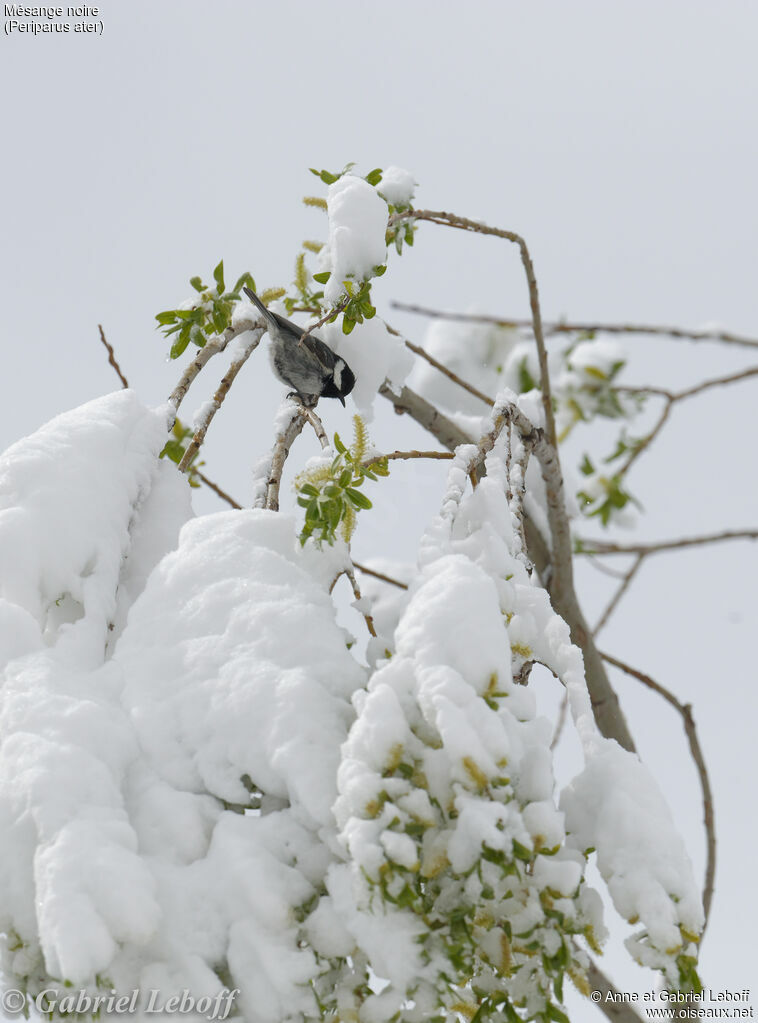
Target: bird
(309,366)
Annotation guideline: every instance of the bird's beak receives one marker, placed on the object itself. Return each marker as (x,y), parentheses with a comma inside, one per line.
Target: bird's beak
(341,399)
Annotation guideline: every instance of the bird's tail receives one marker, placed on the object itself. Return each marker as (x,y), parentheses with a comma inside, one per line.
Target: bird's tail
(267,316)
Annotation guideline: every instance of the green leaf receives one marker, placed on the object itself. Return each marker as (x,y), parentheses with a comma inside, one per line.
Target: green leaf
(218,276)
(246,278)
(375,176)
(323,277)
(555,1014)
(479,1014)
(347,325)
(167,317)
(521,852)
(339,445)
(510,1013)
(178,347)
(220,322)
(197,284)
(526,381)
(358,499)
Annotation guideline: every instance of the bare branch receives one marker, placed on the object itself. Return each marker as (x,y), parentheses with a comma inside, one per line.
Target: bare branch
(586,328)
(655,547)
(217,489)
(112,358)
(685,709)
(215,404)
(613,604)
(380,575)
(405,455)
(291,428)
(211,348)
(611,1002)
(448,433)
(464,224)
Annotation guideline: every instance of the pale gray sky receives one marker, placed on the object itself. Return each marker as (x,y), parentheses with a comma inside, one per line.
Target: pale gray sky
(619,139)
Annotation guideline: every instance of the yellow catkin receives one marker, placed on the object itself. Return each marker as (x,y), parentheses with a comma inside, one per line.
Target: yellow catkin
(360,439)
(579,981)
(474,771)
(301,276)
(506,955)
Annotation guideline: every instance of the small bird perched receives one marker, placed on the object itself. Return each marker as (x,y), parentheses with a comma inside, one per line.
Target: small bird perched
(310,368)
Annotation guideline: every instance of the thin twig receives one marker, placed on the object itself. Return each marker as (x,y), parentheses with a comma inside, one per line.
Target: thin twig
(655,547)
(685,709)
(445,370)
(623,587)
(731,378)
(604,569)
(585,328)
(405,455)
(380,575)
(328,317)
(217,489)
(648,440)
(215,404)
(112,358)
(561,720)
(671,397)
(316,423)
(368,619)
(449,373)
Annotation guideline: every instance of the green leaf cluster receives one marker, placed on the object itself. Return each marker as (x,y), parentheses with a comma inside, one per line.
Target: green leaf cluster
(175,447)
(358,293)
(328,177)
(209,316)
(358,306)
(614,496)
(469,916)
(331,493)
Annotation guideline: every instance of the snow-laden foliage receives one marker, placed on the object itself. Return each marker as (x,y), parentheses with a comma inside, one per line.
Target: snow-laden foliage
(202,788)
(584,386)
(166,801)
(128,858)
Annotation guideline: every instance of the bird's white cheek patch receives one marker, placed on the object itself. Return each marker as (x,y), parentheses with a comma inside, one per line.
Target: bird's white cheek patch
(337,374)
